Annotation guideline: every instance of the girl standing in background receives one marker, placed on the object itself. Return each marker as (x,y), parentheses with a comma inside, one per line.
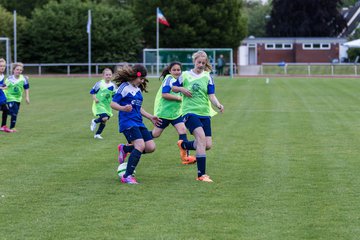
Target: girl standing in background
(102,93)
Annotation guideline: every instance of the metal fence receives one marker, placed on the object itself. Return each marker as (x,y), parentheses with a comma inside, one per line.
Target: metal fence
(311,69)
(71,69)
(305,69)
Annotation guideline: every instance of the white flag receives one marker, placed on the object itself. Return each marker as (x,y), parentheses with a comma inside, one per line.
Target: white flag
(88,27)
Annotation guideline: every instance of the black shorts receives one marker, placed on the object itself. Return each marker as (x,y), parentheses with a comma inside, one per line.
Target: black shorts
(13,108)
(134,133)
(102,115)
(193,121)
(166,122)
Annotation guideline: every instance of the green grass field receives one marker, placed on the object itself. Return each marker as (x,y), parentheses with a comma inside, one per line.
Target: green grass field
(285,164)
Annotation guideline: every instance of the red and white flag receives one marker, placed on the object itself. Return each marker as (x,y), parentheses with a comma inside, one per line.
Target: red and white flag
(161,18)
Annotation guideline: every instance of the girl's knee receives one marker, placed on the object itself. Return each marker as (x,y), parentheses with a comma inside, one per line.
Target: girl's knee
(150,150)
(156,134)
(105,119)
(208,143)
(150,147)
(139,146)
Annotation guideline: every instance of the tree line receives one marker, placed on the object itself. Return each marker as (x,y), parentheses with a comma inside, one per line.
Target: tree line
(55,30)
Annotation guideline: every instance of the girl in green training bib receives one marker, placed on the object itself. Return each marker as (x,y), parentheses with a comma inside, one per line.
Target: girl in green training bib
(168,108)
(16,84)
(102,93)
(198,88)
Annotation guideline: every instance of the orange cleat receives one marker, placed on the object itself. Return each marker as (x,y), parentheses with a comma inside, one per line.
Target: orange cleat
(183,154)
(189,160)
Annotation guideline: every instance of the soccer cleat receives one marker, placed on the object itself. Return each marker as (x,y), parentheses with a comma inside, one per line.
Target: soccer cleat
(189,160)
(183,154)
(98,136)
(92,125)
(204,178)
(13,130)
(129,180)
(122,153)
(6,129)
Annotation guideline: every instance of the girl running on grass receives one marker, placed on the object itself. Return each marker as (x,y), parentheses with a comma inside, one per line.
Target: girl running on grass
(128,101)
(168,107)
(102,93)
(16,84)
(198,88)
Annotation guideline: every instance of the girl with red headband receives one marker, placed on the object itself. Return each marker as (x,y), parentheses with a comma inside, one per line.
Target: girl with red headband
(128,101)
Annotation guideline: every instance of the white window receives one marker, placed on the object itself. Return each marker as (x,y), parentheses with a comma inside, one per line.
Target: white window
(325,46)
(320,46)
(278,46)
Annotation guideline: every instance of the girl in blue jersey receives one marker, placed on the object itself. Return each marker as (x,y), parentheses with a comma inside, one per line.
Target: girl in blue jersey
(128,101)
(102,93)
(199,91)
(3,106)
(168,107)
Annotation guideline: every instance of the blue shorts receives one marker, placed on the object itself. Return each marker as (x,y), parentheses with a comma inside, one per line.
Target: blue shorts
(166,122)
(13,108)
(193,121)
(134,133)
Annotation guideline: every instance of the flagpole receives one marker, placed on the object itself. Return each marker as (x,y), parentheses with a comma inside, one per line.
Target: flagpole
(157,42)
(89,42)
(15,50)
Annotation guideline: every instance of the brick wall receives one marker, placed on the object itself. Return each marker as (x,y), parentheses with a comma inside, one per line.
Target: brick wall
(297,54)
(316,56)
(268,56)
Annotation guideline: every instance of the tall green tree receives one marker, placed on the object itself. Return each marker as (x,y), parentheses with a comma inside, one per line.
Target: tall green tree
(57,33)
(203,24)
(257,16)
(305,18)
